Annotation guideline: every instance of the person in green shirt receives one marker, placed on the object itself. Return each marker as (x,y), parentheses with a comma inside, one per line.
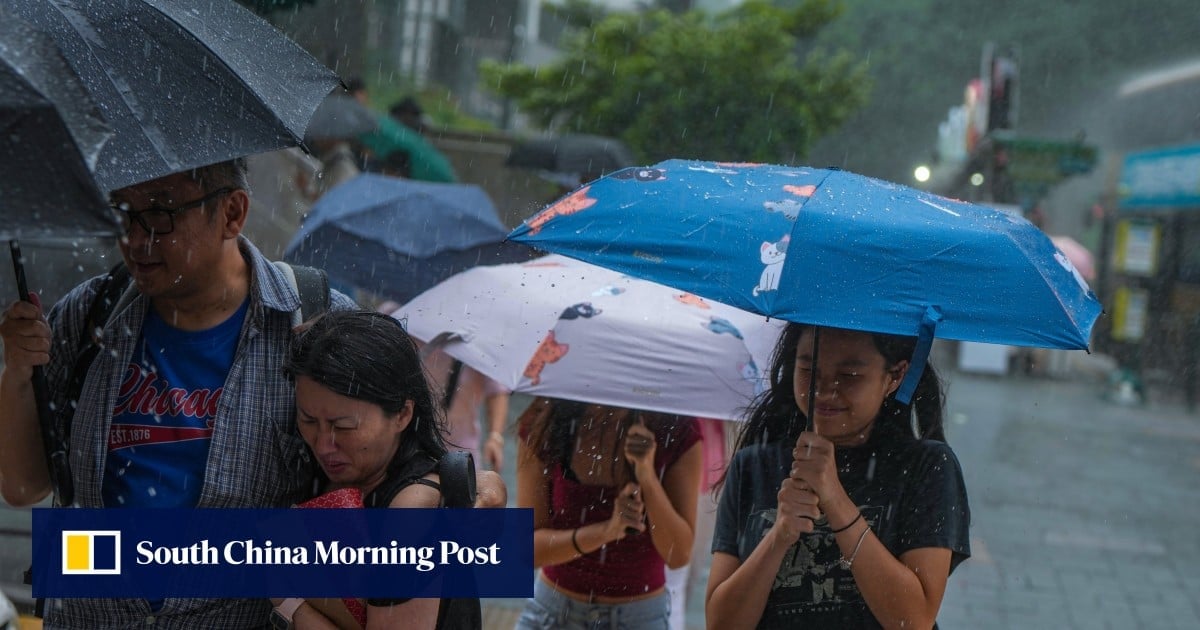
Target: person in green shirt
(425,162)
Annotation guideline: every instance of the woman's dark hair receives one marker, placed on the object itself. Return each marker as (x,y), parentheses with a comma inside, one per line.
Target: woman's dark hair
(776,415)
(369,356)
(550,426)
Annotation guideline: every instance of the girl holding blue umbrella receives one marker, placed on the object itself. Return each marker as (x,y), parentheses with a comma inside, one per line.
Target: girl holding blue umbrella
(855,522)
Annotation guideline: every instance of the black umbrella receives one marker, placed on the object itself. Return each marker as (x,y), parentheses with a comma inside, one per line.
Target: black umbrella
(340,117)
(578,154)
(53,134)
(184,83)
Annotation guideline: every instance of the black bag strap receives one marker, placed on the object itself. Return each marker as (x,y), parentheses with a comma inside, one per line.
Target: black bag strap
(313,287)
(107,296)
(457,473)
(452,383)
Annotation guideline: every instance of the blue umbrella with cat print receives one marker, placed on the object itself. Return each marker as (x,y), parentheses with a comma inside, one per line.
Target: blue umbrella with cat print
(826,247)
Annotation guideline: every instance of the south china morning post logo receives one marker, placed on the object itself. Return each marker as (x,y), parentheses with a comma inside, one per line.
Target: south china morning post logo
(228,552)
(88,552)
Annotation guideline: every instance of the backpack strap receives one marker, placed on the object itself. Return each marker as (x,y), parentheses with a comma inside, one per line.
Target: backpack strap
(313,287)
(452,384)
(457,472)
(112,292)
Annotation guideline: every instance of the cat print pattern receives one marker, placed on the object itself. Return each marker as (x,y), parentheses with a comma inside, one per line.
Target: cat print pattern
(772,255)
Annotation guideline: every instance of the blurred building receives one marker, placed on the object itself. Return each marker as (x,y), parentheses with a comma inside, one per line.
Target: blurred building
(442,42)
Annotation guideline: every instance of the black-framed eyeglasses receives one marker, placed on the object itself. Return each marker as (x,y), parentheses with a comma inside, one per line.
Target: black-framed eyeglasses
(158,219)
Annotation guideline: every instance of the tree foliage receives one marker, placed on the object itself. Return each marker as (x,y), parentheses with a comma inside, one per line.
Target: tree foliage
(746,85)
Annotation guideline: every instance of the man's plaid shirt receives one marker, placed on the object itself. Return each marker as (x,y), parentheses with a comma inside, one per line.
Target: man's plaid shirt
(256,458)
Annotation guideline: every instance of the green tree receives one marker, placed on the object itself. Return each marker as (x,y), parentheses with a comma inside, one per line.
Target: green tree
(745,85)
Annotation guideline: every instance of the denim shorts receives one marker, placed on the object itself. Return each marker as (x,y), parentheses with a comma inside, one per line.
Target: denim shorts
(550,609)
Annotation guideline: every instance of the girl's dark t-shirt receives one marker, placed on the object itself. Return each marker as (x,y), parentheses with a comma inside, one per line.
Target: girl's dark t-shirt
(910,491)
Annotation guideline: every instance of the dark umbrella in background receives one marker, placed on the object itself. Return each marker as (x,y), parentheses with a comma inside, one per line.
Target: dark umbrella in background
(183,83)
(53,134)
(582,155)
(398,237)
(340,117)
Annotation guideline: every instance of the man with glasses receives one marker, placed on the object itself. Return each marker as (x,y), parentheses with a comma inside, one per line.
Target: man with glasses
(186,397)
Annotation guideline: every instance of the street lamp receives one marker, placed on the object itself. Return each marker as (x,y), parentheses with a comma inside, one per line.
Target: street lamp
(921,173)
(977,179)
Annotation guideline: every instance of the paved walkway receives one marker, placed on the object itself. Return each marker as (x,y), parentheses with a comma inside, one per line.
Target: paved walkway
(1085,514)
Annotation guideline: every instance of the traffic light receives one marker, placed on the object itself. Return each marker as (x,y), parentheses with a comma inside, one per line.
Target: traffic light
(1002,95)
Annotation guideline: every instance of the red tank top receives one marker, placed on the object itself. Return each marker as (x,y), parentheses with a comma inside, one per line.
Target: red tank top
(630,566)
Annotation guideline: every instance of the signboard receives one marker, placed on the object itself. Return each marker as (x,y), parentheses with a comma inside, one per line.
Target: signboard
(1129,314)
(1164,178)
(1136,247)
(1037,160)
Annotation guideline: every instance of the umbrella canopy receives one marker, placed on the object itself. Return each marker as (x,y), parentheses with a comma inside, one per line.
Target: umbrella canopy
(1079,256)
(53,134)
(397,237)
(559,327)
(584,155)
(183,83)
(826,247)
(340,117)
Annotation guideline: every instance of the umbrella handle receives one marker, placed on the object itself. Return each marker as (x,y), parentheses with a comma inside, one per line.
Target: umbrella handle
(41,390)
(638,448)
(809,425)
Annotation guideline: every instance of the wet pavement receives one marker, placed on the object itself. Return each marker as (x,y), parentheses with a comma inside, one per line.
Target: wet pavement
(1085,513)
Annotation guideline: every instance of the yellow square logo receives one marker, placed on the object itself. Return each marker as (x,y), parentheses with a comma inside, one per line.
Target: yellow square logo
(91,552)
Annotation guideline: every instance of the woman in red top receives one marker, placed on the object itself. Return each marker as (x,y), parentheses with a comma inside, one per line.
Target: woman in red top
(613,493)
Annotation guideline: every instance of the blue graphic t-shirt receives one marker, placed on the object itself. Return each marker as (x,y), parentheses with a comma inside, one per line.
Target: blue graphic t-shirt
(166,408)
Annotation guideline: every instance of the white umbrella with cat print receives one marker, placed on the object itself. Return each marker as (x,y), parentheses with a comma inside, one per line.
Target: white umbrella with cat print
(563,328)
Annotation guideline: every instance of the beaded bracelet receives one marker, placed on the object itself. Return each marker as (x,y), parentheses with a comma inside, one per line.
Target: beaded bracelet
(848,525)
(575,542)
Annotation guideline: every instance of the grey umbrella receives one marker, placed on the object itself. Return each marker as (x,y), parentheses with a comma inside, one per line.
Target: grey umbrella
(184,83)
(579,154)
